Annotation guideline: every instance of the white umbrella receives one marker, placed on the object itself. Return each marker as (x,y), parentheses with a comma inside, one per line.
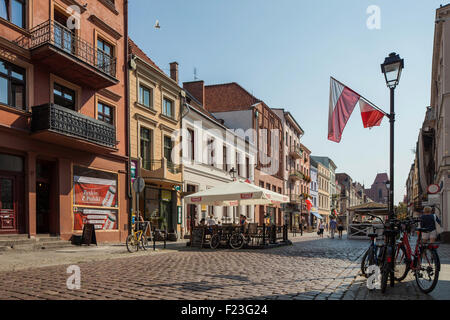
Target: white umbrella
(236,193)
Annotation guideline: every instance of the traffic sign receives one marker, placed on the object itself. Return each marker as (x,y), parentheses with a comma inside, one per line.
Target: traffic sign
(138,185)
(433,189)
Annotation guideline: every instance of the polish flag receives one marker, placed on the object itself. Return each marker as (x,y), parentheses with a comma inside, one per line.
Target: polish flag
(371,117)
(342,103)
(308,205)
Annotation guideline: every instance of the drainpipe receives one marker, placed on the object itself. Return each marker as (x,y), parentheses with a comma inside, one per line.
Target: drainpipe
(127,109)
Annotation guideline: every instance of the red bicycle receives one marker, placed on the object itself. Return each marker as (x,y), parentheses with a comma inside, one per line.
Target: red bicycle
(424,262)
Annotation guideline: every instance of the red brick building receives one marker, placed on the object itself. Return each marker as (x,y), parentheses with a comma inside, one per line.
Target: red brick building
(63,118)
(238,109)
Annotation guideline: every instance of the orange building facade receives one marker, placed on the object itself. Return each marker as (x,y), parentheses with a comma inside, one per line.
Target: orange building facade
(63,118)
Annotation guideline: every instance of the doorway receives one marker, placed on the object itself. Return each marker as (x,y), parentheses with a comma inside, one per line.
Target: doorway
(42,207)
(8,207)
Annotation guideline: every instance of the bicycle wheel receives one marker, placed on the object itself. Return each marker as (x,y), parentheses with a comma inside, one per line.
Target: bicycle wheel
(237,241)
(215,241)
(365,262)
(384,277)
(401,264)
(132,243)
(427,271)
(144,242)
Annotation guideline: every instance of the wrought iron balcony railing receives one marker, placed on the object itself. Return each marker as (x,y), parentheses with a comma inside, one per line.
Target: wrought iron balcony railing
(296,175)
(64,39)
(61,120)
(296,152)
(154,165)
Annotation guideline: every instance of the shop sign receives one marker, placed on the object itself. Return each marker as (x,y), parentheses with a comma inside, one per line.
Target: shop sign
(101,219)
(166,195)
(133,170)
(95,192)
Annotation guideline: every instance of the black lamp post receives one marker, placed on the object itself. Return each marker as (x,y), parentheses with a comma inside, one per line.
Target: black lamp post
(233,173)
(392,70)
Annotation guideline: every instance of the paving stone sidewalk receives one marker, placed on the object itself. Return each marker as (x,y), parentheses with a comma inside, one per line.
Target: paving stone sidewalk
(311,268)
(407,289)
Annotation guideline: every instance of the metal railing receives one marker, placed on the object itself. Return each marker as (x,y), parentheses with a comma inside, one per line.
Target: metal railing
(153,165)
(68,122)
(296,175)
(297,151)
(64,39)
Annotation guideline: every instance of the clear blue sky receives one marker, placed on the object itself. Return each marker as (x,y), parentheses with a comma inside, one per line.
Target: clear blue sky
(285,51)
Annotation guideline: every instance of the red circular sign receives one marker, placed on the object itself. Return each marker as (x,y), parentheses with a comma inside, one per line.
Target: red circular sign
(433,189)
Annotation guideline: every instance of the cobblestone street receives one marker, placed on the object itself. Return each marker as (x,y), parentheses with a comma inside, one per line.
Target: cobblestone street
(311,268)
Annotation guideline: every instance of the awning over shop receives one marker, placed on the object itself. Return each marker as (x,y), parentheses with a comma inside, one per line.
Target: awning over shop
(236,193)
(317,215)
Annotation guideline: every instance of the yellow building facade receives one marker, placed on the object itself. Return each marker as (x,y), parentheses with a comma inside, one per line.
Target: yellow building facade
(155,120)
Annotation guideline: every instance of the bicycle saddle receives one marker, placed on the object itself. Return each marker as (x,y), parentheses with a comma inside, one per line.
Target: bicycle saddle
(373,235)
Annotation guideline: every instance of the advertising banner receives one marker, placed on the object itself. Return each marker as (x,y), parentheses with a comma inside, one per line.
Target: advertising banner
(90,191)
(101,219)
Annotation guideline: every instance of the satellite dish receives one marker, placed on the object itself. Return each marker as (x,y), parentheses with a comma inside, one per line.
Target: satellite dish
(157,26)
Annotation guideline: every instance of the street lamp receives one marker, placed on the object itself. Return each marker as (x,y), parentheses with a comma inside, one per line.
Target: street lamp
(233,173)
(392,70)
(301,209)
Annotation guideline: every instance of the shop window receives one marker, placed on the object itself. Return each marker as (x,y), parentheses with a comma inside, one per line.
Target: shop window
(95,199)
(13,11)
(12,85)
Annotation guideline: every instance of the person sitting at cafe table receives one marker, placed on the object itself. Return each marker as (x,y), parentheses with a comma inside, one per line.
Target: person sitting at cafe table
(243,223)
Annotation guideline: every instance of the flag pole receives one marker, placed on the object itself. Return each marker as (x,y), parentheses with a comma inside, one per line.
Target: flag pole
(364,98)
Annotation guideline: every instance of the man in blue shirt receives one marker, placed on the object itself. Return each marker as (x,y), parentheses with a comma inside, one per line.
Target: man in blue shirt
(333,226)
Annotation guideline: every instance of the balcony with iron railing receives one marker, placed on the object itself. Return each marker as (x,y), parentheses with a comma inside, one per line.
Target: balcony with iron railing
(161,169)
(295,175)
(296,152)
(69,56)
(56,124)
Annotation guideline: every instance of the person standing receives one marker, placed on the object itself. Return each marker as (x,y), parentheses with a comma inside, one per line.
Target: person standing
(430,222)
(333,226)
(340,228)
(321,228)
(301,227)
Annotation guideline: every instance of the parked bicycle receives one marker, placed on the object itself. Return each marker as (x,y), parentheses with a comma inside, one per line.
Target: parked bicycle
(233,236)
(372,255)
(138,237)
(424,262)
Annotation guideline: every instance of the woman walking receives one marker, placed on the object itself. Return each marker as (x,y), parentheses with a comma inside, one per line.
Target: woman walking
(321,229)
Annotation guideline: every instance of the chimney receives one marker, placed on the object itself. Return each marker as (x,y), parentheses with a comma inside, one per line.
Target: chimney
(196,89)
(174,71)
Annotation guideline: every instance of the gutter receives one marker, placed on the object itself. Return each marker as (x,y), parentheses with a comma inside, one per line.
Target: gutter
(127,109)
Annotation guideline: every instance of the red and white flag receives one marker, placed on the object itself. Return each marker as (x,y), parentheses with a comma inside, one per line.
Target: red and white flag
(342,103)
(371,117)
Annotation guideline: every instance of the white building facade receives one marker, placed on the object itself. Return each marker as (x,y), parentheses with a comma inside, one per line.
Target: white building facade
(209,152)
